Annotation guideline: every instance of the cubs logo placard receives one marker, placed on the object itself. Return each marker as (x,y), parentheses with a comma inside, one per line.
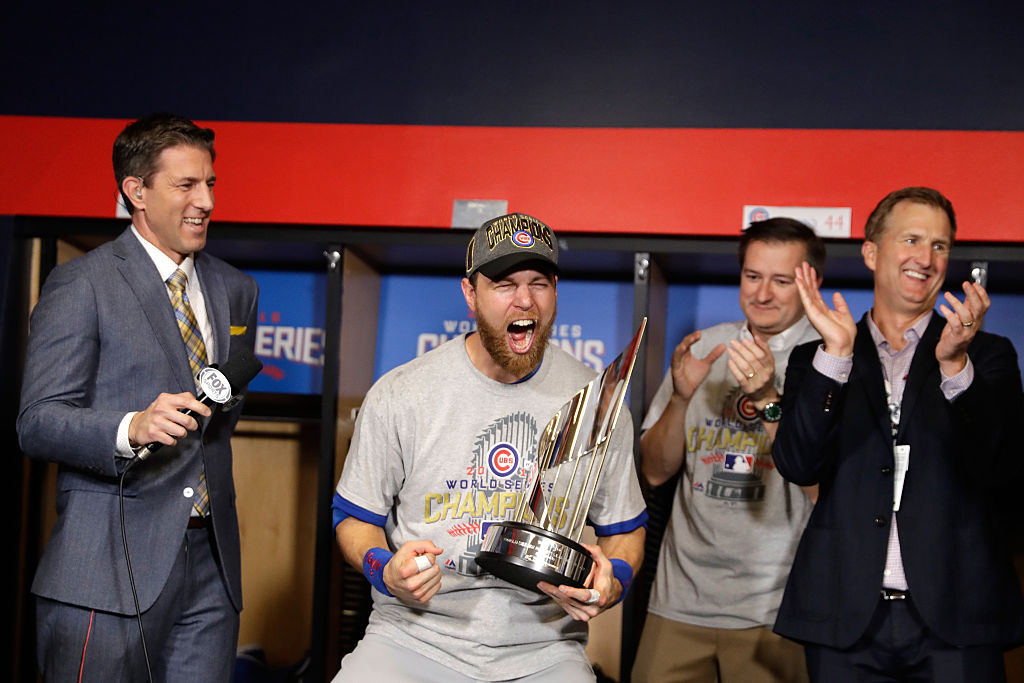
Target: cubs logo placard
(759,214)
(503,460)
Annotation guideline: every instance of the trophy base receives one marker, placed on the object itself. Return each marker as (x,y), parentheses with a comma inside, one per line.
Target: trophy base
(524,554)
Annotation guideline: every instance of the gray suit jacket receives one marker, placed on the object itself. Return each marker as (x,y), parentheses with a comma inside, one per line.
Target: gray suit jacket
(104,342)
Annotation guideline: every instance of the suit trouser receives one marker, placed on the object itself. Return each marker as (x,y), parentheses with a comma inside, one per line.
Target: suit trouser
(898,646)
(191,630)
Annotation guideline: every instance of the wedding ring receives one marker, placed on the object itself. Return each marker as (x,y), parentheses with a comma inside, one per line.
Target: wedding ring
(750,375)
(595,595)
(968,323)
(422,563)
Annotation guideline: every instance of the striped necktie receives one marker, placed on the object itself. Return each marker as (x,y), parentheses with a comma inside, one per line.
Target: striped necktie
(197,359)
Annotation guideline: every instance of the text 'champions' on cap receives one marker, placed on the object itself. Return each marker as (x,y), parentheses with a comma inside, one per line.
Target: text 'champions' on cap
(507,242)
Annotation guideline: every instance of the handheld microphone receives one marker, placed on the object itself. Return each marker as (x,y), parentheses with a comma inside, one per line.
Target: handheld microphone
(217,385)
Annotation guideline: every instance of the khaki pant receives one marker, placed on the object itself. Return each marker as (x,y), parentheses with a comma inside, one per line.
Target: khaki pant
(673,652)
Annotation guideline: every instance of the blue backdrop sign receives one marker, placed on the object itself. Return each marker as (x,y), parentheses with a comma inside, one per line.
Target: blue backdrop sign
(290,331)
(418,313)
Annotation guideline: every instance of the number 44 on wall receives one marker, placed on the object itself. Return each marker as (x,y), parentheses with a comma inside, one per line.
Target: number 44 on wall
(826,221)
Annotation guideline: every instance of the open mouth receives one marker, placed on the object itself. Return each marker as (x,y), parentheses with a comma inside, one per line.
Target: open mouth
(520,335)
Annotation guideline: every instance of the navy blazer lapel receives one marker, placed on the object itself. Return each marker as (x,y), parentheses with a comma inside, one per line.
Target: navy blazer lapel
(218,308)
(922,368)
(867,370)
(144,281)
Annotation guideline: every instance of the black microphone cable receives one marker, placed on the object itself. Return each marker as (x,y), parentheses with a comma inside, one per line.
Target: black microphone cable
(128,563)
(217,386)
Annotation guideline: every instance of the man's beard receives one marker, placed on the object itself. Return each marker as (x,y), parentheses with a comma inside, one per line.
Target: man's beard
(517,364)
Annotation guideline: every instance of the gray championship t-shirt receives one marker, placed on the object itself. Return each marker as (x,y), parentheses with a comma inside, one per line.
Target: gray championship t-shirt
(442,451)
(735,522)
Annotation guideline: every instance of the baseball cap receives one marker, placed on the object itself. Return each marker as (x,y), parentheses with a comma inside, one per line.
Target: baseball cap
(511,241)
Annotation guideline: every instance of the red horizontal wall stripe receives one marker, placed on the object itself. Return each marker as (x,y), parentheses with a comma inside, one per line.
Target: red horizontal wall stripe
(633,180)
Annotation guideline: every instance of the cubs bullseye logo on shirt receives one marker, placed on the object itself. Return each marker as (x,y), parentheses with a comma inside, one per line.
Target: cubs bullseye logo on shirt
(503,460)
(522,238)
(745,409)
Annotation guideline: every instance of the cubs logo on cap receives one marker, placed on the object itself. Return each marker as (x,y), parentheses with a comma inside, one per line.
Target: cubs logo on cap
(514,241)
(522,239)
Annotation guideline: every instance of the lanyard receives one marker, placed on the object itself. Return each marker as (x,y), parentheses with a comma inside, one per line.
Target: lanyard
(901,453)
(894,410)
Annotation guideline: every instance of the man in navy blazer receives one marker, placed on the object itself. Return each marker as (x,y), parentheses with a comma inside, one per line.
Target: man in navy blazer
(107,372)
(902,419)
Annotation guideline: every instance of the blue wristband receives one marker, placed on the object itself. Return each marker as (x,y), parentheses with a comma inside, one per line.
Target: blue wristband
(624,573)
(374,562)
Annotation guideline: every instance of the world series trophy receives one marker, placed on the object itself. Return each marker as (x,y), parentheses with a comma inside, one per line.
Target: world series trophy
(570,457)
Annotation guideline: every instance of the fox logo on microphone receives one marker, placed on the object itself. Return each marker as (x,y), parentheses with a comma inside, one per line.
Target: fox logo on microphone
(214,384)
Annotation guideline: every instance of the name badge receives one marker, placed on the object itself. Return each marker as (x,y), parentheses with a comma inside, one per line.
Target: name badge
(901,454)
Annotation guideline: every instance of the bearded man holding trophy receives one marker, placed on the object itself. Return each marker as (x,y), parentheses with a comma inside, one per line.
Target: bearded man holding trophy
(472,451)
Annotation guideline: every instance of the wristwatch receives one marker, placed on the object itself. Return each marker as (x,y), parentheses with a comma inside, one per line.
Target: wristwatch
(772,411)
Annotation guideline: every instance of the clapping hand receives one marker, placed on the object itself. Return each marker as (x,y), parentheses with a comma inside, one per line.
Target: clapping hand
(688,371)
(835,325)
(962,322)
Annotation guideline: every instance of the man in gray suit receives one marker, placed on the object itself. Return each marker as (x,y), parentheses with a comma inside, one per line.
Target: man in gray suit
(115,342)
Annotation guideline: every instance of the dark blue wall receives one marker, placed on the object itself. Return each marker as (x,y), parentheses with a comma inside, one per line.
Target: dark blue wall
(926,65)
